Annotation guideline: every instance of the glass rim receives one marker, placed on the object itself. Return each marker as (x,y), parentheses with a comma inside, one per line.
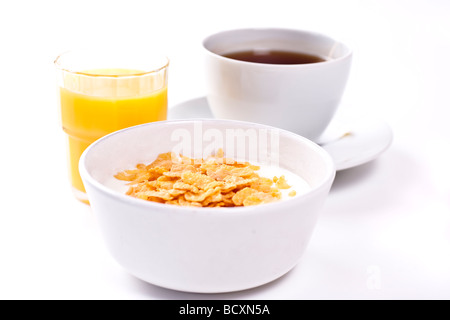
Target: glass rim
(60,66)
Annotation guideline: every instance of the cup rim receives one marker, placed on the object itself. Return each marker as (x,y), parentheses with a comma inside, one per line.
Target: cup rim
(86,175)
(58,63)
(347,55)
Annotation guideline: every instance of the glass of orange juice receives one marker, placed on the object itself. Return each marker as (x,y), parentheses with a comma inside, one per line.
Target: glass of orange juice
(102,91)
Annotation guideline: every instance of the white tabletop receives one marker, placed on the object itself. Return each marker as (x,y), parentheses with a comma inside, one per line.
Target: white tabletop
(384,232)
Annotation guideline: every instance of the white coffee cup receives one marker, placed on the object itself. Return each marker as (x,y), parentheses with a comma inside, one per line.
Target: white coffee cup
(301,98)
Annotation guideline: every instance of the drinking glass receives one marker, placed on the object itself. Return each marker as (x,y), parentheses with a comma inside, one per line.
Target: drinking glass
(102,91)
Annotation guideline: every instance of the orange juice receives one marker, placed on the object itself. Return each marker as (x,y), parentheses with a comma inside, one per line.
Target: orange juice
(93,105)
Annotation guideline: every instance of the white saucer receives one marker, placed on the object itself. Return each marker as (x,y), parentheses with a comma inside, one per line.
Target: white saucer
(349,142)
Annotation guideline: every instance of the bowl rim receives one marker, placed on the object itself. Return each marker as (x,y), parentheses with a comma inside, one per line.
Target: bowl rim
(87,177)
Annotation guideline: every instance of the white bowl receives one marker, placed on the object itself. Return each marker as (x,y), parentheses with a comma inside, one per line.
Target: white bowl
(206,250)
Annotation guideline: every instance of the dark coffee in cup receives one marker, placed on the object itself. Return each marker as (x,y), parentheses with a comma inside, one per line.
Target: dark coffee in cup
(274,57)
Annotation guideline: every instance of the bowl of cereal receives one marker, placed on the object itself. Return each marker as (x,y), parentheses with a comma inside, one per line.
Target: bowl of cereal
(206,205)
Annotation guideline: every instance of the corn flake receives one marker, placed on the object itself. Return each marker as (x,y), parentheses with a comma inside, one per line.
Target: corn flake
(281,183)
(213,182)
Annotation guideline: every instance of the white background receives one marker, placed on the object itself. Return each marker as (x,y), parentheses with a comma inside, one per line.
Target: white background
(385,230)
